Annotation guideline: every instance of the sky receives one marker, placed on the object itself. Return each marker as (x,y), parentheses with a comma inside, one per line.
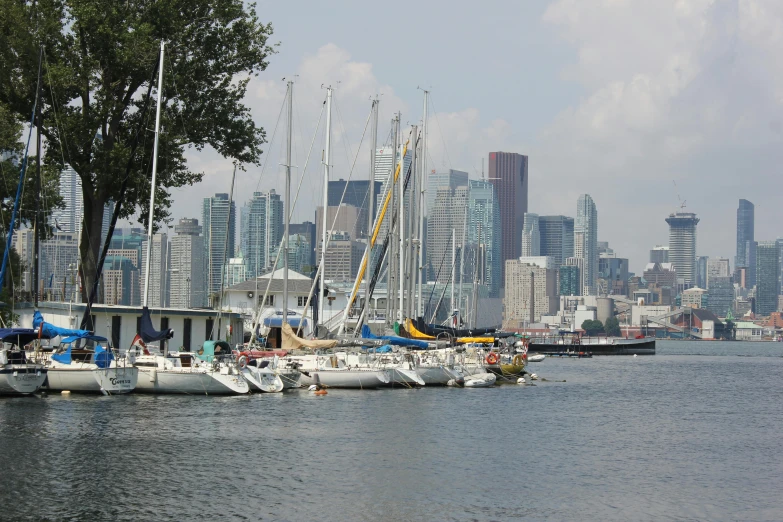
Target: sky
(646,106)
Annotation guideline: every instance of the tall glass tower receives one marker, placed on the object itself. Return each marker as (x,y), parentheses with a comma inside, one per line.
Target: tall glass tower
(219,220)
(746,248)
(682,245)
(586,241)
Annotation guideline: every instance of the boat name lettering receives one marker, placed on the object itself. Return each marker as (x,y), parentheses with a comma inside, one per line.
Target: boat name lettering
(115,381)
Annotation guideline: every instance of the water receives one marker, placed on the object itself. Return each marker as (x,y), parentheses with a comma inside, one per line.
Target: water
(693,433)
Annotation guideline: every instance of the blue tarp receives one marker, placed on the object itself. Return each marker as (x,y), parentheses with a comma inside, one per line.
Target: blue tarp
(379,349)
(277,321)
(393,339)
(148,332)
(64,357)
(103,358)
(53,331)
(20,336)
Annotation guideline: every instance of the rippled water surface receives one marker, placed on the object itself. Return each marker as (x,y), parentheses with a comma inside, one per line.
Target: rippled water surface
(693,433)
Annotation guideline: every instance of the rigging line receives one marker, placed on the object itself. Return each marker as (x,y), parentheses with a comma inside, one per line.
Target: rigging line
(437,275)
(271,142)
(60,134)
(346,144)
(440,131)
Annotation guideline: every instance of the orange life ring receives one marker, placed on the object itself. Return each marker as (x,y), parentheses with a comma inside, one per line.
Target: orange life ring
(492,358)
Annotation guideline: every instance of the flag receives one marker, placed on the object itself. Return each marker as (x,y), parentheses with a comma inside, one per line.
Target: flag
(138,341)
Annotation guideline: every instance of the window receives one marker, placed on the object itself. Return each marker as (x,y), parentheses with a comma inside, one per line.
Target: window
(186,327)
(164,325)
(210,325)
(301,301)
(270,300)
(116,324)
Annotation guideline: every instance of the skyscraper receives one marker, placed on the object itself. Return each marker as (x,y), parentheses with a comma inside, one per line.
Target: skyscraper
(260,231)
(569,280)
(484,229)
(586,241)
(508,173)
(355,194)
(659,254)
(557,237)
(187,266)
(682,245)
(531,291)
(446,178)
(531,237)
(767,274)
(219,220)
(446,222)
(717,267)
(745,240)
(158,286)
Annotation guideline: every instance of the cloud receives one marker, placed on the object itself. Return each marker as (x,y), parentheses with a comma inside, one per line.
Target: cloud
(682,91)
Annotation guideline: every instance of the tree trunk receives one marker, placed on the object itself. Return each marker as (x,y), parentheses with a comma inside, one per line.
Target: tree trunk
(90,241)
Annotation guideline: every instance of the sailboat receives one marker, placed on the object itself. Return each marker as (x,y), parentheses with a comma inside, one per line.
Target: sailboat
(18,375)
(178,372)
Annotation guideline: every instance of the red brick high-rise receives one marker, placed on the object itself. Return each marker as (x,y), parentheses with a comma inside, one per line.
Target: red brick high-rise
(508,173)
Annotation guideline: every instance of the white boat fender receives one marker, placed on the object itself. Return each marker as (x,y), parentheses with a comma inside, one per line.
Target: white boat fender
(521,380)
(65,392)
(312,387)
(534,376)
(634,355)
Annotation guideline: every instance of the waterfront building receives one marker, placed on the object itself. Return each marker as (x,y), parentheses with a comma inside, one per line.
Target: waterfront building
(446,220)
(586,241)
(236,270)
(355,193)
(531,291)
(569,280)
(343,257)
(484,231)
(659,254)
(556,237)
(531,237)
(444,178)
(682,245)
(746,247)
(188,284)
(508,172)
(219,221)
(721,294)
(767,274)
(579,263)
(158,286)
(260,230)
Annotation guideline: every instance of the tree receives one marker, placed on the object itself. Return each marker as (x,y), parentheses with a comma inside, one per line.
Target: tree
(99,59)
(592,327)
(612,327)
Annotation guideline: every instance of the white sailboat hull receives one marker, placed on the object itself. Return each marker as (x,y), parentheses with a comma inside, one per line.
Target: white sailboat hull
(291,378)
(190,381)
(354,379)
(21,379)
(405,376)
(92,380)
(263,380)
(437,375)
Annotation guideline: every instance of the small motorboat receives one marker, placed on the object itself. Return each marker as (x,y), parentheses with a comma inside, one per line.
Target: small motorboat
(480,380)
(536,357)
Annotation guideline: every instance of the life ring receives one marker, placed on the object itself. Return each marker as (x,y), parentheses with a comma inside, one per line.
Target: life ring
(242,362)
(519,360)
(492,358)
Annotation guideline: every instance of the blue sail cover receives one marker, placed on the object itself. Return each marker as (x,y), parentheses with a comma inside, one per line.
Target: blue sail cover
(103,358)
(64,357)
(393,339)
(53,331)
(148,332)
(378,349)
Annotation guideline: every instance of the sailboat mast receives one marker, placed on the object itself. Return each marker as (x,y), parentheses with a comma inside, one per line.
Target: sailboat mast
(462,256)
(413,205)
(152,185)
(422,203)
(370,210)
(391,254)
(287,200)
(38,221)
(325,213)
(401,229)
(453,265)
